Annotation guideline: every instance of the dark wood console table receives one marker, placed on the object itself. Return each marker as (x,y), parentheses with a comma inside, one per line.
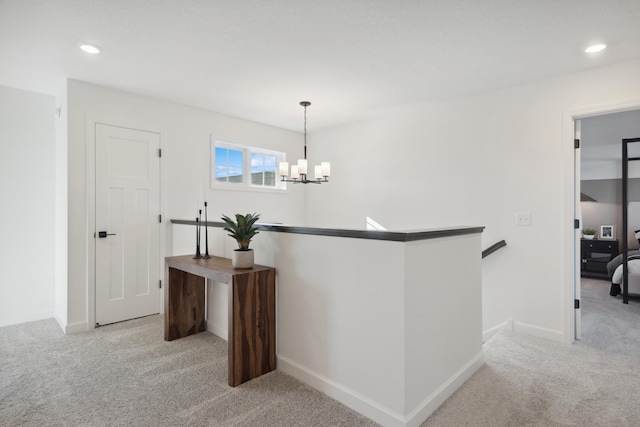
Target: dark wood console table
(252,310)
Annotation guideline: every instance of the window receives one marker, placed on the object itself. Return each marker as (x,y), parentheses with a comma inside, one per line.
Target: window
(228,165)
(263,169)
(240,167)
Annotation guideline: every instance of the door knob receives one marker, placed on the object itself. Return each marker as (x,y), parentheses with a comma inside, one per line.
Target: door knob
(103,234)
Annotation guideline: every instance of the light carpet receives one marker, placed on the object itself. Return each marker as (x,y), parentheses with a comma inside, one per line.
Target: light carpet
(127,375)
(529,381)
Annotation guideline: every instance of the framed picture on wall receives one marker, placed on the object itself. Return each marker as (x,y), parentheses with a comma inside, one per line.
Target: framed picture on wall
(607,232)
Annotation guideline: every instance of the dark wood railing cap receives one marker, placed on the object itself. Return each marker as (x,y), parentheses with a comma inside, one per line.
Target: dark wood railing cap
(394,236)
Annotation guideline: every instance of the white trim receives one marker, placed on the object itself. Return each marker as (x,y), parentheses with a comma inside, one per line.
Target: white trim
(77,327)
(374,410)
(569,247)
(218,331)
(438,397)
(525,328)
(61,324)
(29,317)
(90,180)
(90,260)
(537,331)
(342,394)
(507,325)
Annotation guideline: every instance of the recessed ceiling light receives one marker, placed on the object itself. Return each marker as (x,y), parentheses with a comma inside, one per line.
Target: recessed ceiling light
(595,48)
(89,48)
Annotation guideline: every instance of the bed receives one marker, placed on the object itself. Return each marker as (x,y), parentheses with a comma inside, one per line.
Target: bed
(615,269)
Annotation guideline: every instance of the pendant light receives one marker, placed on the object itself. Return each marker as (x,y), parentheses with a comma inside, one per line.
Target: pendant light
(299,173)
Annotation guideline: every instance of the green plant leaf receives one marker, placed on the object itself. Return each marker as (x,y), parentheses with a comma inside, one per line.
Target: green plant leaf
(243,229)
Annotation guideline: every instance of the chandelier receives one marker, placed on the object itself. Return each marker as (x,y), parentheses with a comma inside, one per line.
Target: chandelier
(299,171)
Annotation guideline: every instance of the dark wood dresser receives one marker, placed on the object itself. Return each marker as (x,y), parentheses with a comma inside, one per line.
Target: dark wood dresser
(595,255)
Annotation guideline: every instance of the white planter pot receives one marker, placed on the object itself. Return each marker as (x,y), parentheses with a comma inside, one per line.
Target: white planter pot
(588,236)
(242,259)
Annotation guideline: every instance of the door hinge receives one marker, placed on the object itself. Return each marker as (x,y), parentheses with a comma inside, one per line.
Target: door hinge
(160,284)
(576,143)
(576,304)
(576,223)
(160,218)
(159,152)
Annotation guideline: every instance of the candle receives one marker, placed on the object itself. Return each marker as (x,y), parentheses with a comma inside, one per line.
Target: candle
(326,168)
(294,172)
(302,166)
(284,168)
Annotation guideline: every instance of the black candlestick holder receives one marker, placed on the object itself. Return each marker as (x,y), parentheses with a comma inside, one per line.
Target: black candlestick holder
(206,234)
(198,255)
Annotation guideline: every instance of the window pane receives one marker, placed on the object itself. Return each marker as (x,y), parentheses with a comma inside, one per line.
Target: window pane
(221,155)
(221,173)
(256,178)
(235,174)
(270,163)
(269,179)
(228,166)
(257,163)
(235,158)
(221,164)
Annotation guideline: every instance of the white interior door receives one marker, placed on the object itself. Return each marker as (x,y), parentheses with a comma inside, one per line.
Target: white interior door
(127,261)
(577,235)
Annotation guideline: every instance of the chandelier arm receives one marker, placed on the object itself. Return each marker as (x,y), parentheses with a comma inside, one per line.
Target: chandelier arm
(305,131)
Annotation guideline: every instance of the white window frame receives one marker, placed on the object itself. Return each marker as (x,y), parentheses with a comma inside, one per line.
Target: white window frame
(246,184)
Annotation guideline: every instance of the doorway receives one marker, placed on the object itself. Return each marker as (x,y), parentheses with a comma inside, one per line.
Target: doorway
(598,184)
(127,223)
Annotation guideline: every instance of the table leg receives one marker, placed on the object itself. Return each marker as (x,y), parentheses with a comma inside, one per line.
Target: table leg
(184,304)
(252,326)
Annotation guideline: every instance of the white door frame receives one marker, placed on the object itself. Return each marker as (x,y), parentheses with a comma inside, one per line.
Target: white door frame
(571,247)
(91,123)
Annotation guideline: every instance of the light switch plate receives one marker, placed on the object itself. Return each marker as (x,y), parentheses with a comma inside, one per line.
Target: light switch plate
(523,219)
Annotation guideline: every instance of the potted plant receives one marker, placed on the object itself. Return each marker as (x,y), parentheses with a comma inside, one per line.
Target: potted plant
(588,233)
(243,230)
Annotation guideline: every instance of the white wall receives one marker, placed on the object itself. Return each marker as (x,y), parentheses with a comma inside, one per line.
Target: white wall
(479,161)
(185,138)
(27,205)
(601,145)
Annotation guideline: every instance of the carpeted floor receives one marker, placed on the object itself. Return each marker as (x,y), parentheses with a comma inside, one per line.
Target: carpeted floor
(529,381)
(126,374)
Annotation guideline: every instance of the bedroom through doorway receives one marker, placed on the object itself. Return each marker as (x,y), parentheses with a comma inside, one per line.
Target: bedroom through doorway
(601,210)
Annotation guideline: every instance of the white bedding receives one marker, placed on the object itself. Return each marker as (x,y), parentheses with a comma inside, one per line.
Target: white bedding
(634,268)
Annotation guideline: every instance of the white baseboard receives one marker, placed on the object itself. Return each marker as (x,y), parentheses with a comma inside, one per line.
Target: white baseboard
(61,324)
(537,331)
(525,328)
(218,331)
(26,318)
(74,328)
(506,325)
(437,398)
(375,410)
(342,394)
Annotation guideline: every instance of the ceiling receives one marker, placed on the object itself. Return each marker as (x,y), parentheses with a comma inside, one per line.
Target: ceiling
(352,59)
